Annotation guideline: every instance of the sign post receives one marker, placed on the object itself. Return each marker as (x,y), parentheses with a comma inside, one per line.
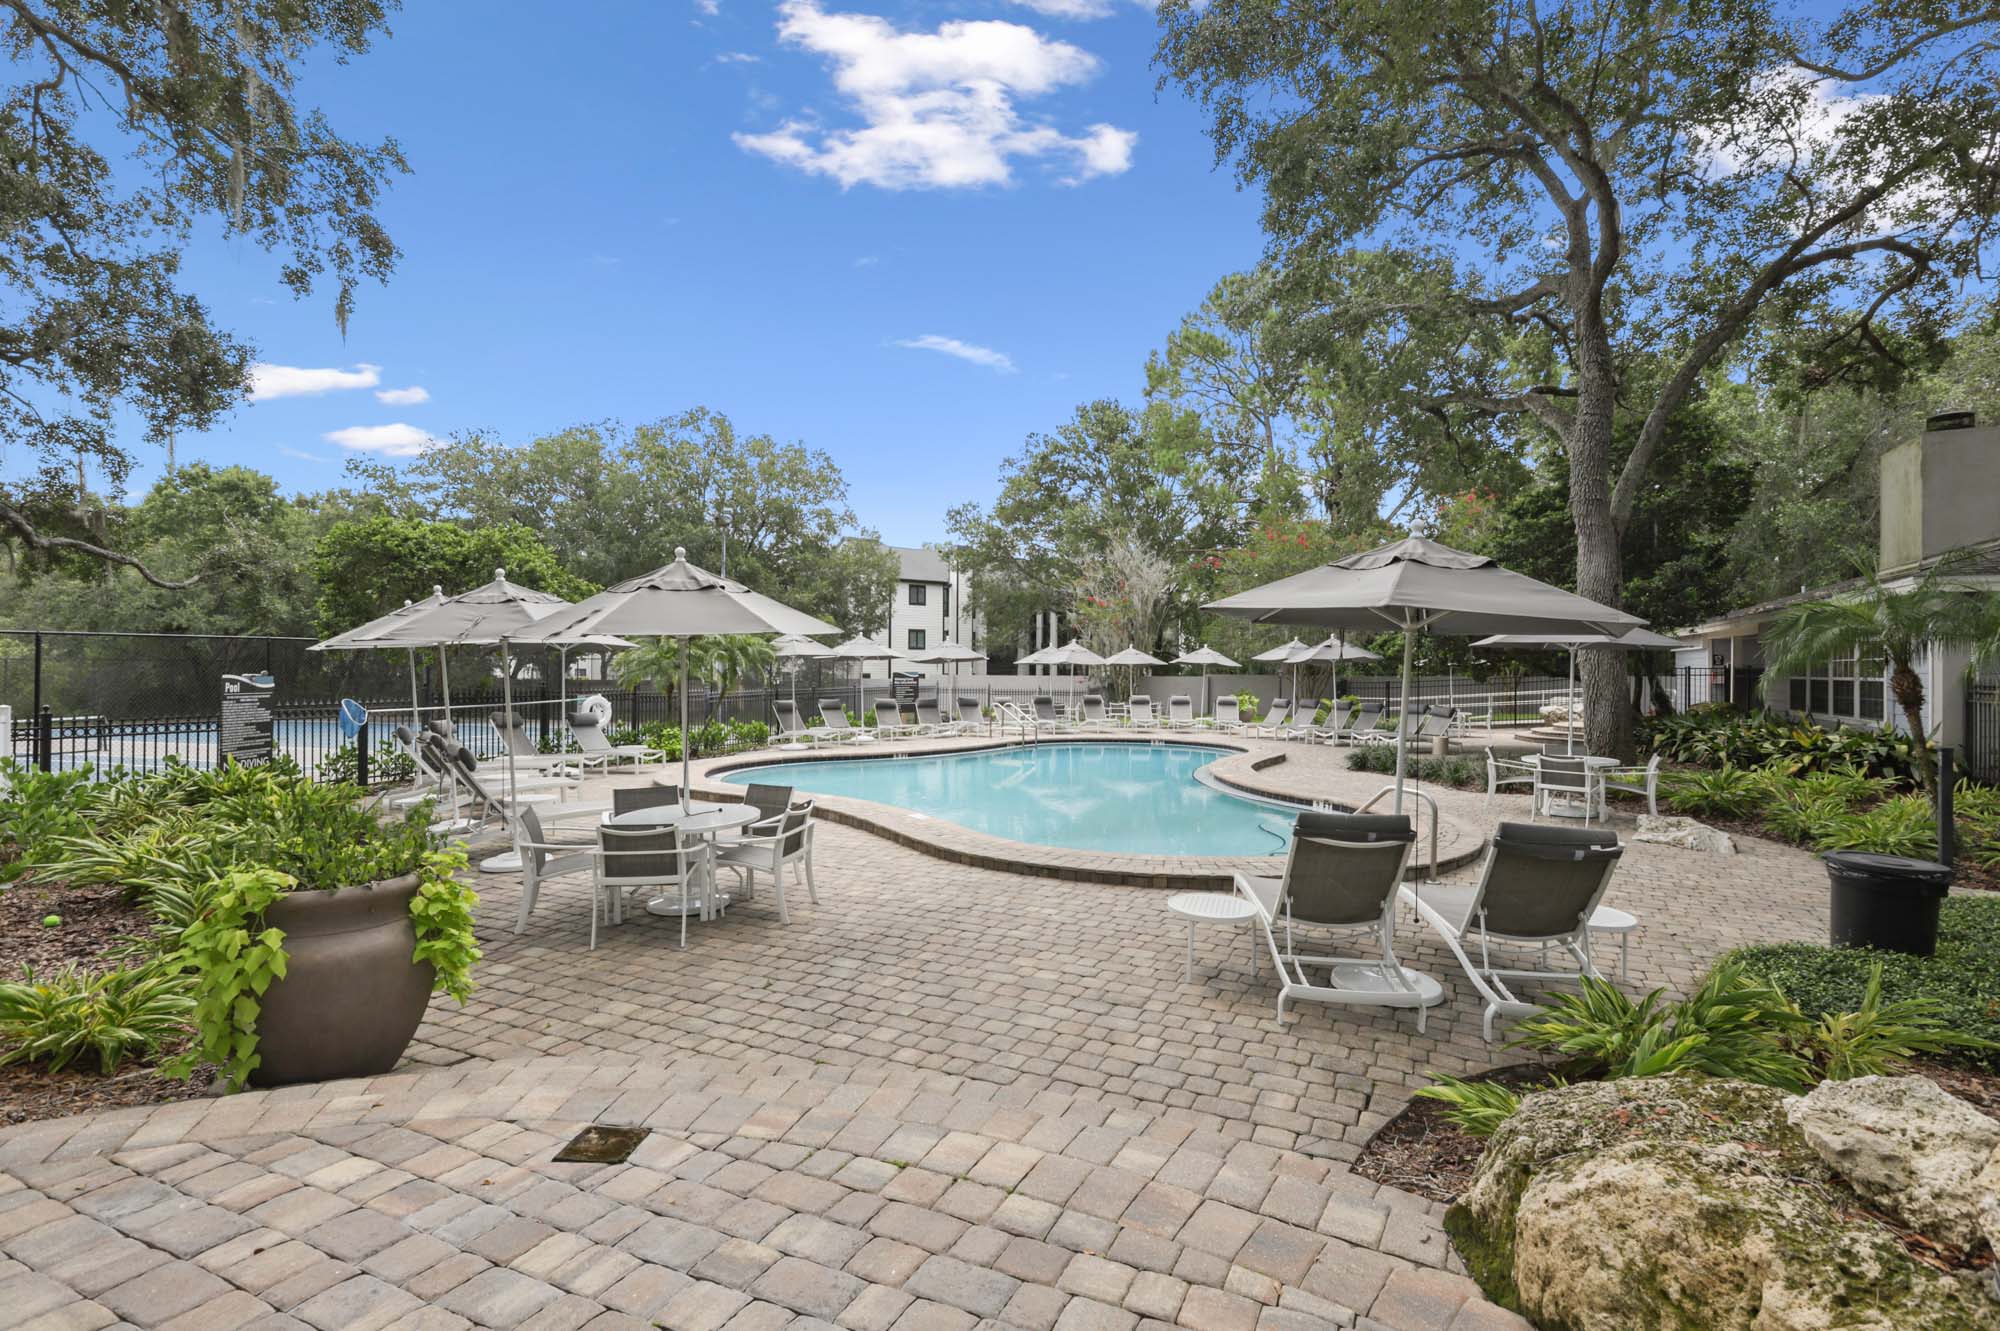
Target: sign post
(246,719)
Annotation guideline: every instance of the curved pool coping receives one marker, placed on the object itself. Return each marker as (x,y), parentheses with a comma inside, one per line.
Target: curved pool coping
(962,845)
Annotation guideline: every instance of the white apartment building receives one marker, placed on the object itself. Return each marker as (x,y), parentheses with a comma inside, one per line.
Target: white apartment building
(929,609)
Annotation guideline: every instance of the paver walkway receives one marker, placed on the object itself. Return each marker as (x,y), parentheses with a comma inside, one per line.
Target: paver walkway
(943,1097)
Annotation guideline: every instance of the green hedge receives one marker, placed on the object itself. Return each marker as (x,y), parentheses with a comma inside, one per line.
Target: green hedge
(1964,975)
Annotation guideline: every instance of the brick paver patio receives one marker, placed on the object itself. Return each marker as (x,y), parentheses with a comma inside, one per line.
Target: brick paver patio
(945,1096)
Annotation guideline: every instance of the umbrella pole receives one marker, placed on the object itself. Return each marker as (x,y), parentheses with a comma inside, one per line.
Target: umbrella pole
(1403,721)
(416,706)
(507,861)
(1569,708)
(685,652)
(562,695)
(444,678)
(1335,712)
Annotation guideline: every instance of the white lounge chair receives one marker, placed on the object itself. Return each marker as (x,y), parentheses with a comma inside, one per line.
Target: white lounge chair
(1273,721)
(1048,717)
(1540,888)
(1180,712)
(1139,711)
(889,722)
(1366,726)
(1342,872)
(792,727)
(599,751)
(1228,714)
(1094,715)
(971,717)
(834,713)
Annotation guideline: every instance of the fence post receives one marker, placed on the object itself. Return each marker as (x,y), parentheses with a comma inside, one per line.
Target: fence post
(35,707)
(361,756)
(1947,830)
(45,739)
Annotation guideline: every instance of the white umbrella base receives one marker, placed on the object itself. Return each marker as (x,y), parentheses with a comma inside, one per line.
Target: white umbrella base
(1367,977)
(671,907)
(508,861)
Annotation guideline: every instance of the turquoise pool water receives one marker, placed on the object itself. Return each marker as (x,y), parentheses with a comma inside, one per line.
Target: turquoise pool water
(1134,799)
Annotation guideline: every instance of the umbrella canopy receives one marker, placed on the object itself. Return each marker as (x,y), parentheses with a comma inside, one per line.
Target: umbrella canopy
(678,600)
(1204,656)
(362,638)
(1046,656)
(1638,640)
(1417,585)
(1281,653)
(799,649)
(1132,656)
(947,654)
(1073,653)
(1333,651)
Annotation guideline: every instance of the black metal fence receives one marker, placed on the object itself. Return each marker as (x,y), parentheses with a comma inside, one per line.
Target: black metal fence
(1699,686)
(1980,756)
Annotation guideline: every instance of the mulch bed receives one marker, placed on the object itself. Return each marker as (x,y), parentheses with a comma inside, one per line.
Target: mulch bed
(1420,1151)
(95,932)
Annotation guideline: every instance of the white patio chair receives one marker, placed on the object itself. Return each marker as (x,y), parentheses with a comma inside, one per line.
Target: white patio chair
(1048,717)
(629,858)
(930,720)
(1365,727)
(1180,712)
(1342,872)
(512,728)
(770,846)
(971,717)
(1568,779)
(1540,887)
(1634,781)
(1139,711)
(1508,772)
(1094,715)
(834,713)
(544,857)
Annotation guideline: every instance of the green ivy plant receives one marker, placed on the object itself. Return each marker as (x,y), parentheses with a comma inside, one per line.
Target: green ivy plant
(442,914)
(232,968)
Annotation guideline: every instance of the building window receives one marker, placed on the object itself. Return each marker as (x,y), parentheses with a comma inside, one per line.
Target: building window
(1849,689)
(917,593)
(916,640)
(945,597)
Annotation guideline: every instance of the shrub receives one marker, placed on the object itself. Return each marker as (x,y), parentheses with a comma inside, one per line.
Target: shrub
(1461,771)
(1476,1108)
(1963,978)
(1715,735)
(1726,792)
(59,1017)
(1906,825)
(385,768)
(39,810)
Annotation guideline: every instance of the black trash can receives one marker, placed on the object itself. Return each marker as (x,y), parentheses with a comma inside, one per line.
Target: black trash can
(1886,901)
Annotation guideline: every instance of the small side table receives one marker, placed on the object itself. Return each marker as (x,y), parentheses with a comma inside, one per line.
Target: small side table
(1212,908)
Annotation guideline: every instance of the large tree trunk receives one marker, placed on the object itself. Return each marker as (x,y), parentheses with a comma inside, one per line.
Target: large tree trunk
(1600,564)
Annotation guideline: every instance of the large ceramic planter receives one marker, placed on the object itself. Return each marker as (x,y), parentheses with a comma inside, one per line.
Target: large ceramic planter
(351,997)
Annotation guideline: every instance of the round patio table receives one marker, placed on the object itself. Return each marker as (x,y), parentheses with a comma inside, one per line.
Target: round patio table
(700,818)
(1212,908)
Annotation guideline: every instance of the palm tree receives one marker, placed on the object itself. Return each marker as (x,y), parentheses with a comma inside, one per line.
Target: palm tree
(1898,626)
(720,660)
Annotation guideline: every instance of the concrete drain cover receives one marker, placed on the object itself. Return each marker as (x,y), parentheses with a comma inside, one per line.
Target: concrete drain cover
(599,1145)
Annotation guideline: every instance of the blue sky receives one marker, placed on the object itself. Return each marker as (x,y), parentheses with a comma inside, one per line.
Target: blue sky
(908,234)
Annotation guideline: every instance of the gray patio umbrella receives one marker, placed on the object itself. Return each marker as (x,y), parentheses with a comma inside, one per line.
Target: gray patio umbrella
(1133,658)
(947,653)
(1333,651)
(793,650)
(1205,656)
(496,612)
(1638,640)
(681,601)
(1417,585)
(362,639)
(1073,654)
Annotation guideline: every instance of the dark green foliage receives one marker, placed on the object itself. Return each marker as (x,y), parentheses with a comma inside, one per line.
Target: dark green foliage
(1461,771)
(59,1017)
(39,810)
(1963,977)
(710,738)
(1712,736)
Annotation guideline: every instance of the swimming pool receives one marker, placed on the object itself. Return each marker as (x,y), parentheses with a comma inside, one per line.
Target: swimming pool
(1131,799)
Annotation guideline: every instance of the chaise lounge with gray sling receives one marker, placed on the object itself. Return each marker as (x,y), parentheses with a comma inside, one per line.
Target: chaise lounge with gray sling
(1342,872)
(1540,887)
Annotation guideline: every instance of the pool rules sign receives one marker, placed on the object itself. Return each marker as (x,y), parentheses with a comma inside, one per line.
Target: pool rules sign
(246,718)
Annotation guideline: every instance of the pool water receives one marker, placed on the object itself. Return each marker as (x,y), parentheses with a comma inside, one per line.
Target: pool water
(1132,799)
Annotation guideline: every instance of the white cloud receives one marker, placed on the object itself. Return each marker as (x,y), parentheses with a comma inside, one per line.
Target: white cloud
(1080,9)
(737,58)
(271,381)
(395,441)
(965,351)
(937,107)
(708,6)
(403,397)
(868,261)
(301,454)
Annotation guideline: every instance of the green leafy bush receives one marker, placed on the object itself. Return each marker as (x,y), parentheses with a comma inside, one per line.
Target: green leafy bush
(1713,736)
(61,1016)
(1728,791)
(39,810)
(1906,825)
(1477,1108)
(1460,771)
(710,738)
(1963,978)
(343,766)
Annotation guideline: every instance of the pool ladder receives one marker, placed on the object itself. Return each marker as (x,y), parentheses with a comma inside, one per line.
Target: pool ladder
(1390,789)
(1007,712)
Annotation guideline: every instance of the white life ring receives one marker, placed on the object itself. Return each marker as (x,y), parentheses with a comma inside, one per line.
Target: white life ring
(596,705)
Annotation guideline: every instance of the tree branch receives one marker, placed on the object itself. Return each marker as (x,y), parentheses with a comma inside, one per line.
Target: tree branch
(36,540)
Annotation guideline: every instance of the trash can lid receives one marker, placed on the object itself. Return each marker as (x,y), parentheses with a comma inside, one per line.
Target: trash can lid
(1865,864)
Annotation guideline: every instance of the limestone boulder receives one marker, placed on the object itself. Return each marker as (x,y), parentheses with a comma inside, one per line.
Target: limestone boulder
(1921,1154)
(1685,833)
(1664,1203)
